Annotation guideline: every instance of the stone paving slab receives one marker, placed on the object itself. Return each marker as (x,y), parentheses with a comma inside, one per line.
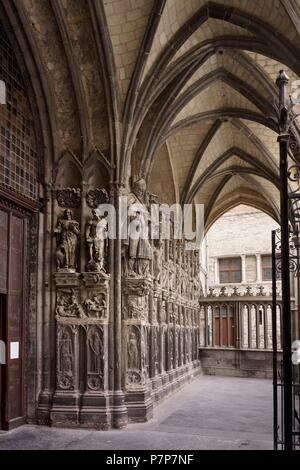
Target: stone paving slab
(210,413)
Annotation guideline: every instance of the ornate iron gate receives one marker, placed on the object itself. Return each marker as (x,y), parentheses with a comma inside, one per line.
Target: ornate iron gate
(286,262)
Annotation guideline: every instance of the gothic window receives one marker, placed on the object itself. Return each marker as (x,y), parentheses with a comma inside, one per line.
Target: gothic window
(18,157)
(230,270)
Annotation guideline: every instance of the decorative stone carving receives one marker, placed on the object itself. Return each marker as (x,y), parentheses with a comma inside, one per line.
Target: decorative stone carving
(261,291)
(96,239)
(136,250)
(134,375)
(67,236)
(95,359)
(68,197)
(136,308)
(68,306)
(171,349)
(96,307)
(65,376)
(157,260)
(95,197)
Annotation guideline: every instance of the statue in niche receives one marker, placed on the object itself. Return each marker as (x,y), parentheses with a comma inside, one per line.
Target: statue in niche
(136,248)
(96,236)
(95,352)
(171,351)
(143,352)
(66,355)
(67,235)
(96,307)
(133,355)
(157,260)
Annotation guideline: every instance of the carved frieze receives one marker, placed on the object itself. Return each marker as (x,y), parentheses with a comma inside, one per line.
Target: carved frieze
(70,310)
(95,197)
(68,197)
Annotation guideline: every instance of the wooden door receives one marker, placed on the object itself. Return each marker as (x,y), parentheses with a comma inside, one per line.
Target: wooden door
(227,336)
(12,268)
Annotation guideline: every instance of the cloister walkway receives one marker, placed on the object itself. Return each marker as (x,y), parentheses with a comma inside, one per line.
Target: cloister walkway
(209,413)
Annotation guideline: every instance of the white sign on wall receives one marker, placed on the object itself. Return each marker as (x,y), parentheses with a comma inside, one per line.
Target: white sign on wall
(14,350)
(2,353)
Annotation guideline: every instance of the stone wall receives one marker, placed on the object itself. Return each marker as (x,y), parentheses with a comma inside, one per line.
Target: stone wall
(237,362)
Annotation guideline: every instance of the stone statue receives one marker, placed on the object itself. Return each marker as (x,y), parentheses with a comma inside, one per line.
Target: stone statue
(133,362)
(138,248)
(96,235)
(157,260)
(67,234)
(66,355)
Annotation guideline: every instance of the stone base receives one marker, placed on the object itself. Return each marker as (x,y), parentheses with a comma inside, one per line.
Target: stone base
(95,412)
(140,402)
(172,381)
(91,410)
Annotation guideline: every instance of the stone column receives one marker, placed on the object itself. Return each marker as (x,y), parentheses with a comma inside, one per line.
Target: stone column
(120,417)
(244,278)
(258,268)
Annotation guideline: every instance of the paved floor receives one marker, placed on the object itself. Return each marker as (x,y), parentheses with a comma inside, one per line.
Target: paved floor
(210,413)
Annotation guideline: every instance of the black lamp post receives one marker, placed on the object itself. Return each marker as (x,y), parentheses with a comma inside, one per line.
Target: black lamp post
(283,139)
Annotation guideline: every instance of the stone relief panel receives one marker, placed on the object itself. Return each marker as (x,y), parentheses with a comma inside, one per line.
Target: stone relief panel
(134,373)
(95,197)
(65,358)
(68,306)
(95,358)
(68,197)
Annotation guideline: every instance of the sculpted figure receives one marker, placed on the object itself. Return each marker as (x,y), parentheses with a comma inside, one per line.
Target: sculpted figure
(96,235)
(66,355)
(132,352)
(95,352)
(96,306)
(68,306)
(138,248)
(67,235)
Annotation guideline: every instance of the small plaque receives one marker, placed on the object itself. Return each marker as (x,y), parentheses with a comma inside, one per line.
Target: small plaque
(14,350)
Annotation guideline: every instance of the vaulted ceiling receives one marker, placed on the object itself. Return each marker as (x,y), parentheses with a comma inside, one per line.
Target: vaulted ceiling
(180,92)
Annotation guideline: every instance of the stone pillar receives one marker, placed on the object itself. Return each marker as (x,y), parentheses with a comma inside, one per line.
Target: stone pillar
(258,268)
(136,314)
(244,278)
